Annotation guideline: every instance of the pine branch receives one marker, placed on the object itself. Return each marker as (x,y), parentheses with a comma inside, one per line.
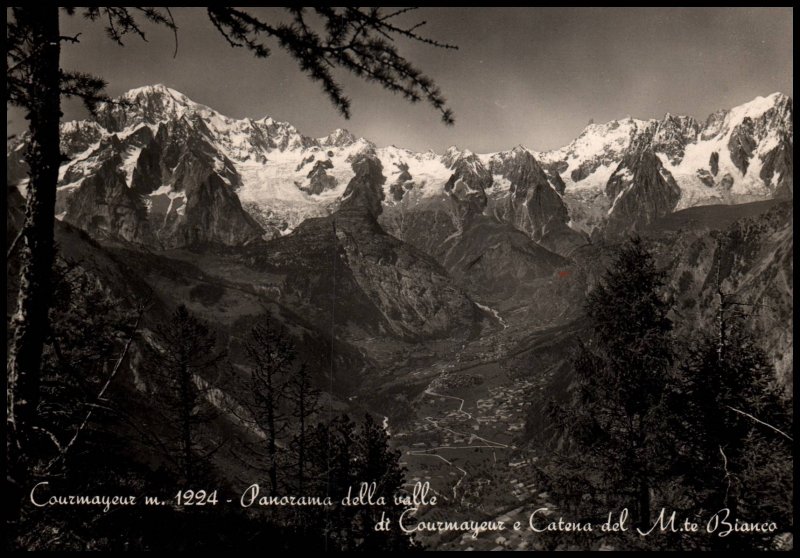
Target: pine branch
(86,87)
(356,39)
(52,437)
(727,473)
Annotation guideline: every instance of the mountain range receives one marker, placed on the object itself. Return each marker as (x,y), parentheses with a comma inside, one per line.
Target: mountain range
(442,294)
(157,169)
(408,255)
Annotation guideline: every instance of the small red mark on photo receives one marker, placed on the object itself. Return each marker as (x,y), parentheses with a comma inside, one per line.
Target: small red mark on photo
(563,273)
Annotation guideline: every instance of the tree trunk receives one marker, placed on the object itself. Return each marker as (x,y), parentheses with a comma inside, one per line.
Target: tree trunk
(187,404)
(301,449)
(36,252)
(644,504)
(272,447)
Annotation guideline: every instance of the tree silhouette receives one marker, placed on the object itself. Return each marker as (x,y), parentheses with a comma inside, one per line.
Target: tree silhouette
(91,334)
(616,410)
(344,454)
(735,450)
(304,399)
(700,424)
(34,47)
(271,357)
(357,40)
(182,363)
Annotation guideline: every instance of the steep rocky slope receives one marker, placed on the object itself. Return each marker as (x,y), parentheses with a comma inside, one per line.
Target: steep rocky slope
(161,170)
(736,156)
(345,265)
(751,261)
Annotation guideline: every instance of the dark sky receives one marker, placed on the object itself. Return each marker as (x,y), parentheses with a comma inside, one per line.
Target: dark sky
(531,76)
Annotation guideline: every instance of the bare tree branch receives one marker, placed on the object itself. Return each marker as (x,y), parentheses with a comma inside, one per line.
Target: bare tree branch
(62,454)
(782,433)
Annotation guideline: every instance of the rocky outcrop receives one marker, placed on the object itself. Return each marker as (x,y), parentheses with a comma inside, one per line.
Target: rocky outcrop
(402,184)
(726,182)
(414,294)
(510,187)
(388,285)
(143,105)
(556,182)
(714,124)
(777,168)
(431,226)
(531,204)
(741,144)
(641,190)
(713,163)
(469,181)
(496,262)
(673,134)
(599,145)
(520,168)
(78,136)
(364,192)
(318,178)
(105,206)
(745,250)
(705,177)
(584,169)
(213,211)
(338,138)
(163,189)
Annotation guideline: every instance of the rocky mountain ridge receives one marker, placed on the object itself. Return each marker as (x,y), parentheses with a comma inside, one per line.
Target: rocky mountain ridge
(158,169)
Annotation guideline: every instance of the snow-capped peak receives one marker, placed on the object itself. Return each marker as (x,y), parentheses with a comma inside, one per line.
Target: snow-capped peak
(283,176)
(455,152)
(148,105)
(164,100)
(759,105)
(338,138)
(156,89)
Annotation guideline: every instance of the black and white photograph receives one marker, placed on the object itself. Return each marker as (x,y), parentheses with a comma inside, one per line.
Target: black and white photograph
(402,279)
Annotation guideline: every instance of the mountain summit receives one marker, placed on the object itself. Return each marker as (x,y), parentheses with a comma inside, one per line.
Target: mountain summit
(156,168)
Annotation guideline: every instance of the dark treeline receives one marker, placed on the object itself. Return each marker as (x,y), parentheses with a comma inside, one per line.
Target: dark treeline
(652,420)
(135,408)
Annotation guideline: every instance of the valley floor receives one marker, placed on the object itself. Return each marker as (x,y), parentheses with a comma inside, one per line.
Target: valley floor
(464,438)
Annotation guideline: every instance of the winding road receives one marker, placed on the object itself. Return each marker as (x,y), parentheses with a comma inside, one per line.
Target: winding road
(491,444)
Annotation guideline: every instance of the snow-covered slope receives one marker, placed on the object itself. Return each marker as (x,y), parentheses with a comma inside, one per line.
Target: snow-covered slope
(743,141)
(158,168)
(738,155)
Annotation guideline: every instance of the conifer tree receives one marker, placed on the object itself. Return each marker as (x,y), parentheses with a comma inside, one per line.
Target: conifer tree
(304,400)
(343,455)
(736,453)
(271,357)
(616,410)
(182,367)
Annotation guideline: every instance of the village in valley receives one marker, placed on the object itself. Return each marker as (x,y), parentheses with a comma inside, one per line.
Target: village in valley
(466,441)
